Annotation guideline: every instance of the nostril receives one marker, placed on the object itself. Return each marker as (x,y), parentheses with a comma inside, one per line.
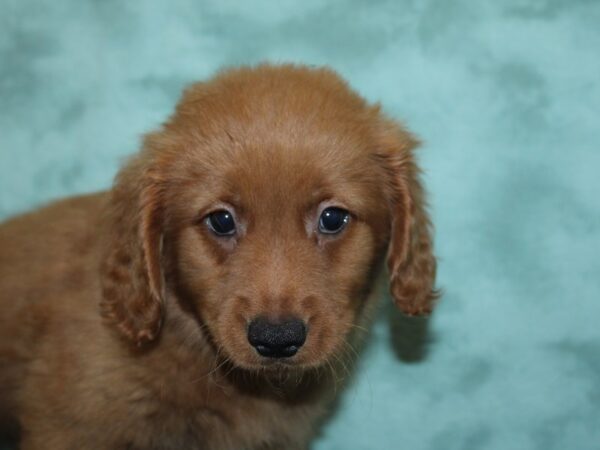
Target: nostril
(264,350)
(290,350)
(277,340)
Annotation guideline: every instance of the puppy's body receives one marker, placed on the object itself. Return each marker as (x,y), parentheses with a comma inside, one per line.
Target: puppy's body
(124,317)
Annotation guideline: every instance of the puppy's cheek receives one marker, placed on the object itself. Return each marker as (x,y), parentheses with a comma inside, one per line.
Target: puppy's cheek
(200,278)
(208,287)
(353,264)
(231,331)
(352,268)
(328,330)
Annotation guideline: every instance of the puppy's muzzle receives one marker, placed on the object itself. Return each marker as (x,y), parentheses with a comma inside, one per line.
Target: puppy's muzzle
(276,340)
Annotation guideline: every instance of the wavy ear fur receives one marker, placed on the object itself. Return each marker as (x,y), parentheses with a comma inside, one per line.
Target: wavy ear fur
(411,262)
(131,276)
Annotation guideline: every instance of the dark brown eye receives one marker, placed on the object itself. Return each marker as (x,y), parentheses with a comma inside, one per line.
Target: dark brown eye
(333,220)
(221,223)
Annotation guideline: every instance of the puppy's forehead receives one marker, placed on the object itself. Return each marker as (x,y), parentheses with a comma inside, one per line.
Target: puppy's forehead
(285,104)
(290,176)
(280,134)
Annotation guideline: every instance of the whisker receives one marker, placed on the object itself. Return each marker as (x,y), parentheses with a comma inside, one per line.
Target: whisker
(358,327)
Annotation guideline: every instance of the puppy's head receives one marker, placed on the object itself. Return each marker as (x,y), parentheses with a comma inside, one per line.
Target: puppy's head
(263,209)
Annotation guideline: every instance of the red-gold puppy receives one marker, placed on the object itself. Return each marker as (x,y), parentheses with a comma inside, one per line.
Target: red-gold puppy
(207,300)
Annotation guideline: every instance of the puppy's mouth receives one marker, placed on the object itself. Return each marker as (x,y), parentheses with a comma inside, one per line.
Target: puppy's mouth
(268,360)
(278,364)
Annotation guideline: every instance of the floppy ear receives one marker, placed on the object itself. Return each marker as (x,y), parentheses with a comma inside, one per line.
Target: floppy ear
(411,262)
(131,276)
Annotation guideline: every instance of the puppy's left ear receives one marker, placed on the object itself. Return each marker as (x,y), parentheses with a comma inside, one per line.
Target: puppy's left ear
(410,261)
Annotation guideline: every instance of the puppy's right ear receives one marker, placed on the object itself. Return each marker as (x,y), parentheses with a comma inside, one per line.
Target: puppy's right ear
(131,275)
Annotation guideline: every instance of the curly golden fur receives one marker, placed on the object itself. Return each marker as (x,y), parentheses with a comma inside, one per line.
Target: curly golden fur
(124,317)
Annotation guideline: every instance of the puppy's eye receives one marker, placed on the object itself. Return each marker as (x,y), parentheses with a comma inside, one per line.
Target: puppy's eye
(333,220)
(221,223)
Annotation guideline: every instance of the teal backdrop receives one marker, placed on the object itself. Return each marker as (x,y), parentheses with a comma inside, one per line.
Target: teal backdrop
(506,98)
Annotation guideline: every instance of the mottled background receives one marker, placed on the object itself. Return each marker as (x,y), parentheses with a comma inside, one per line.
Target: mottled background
(506,98)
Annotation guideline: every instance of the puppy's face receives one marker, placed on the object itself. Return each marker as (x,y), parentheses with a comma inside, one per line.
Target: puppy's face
(277,245)
(275,193)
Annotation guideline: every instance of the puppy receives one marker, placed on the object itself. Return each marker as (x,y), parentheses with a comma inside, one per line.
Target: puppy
(208,300)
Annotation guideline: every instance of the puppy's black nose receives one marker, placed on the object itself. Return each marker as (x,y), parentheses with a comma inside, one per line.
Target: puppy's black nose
(277,340)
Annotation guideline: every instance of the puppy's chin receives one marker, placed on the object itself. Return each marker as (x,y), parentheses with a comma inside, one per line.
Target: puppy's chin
(261,363)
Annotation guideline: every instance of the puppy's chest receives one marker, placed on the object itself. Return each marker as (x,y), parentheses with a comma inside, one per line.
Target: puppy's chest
(213,416)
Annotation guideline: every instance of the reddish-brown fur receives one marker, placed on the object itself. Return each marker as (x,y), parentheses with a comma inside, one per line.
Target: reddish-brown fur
(123,318)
